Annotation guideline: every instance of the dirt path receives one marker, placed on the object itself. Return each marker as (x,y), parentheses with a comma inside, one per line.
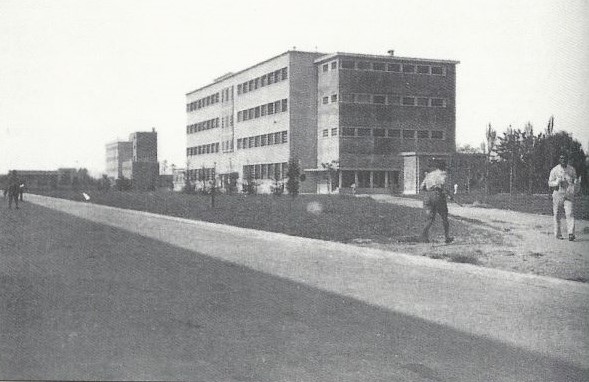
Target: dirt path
(528,243)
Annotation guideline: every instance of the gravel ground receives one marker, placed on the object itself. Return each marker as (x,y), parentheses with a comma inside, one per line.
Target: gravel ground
(527,245)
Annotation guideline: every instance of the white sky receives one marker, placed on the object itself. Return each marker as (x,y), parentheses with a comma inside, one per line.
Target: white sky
(76,74)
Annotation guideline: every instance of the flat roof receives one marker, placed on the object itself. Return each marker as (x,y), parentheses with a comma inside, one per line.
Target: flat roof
(383,57)
(229,75)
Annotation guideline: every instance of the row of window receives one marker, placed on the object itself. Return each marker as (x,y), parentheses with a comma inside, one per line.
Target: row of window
(260,82)
(433,70)
(371,179)
(203,102)
(381,133)
(263,140)
(389,99)
(201,126)
(265,171)
(210,148)
(201,173)
(260,111)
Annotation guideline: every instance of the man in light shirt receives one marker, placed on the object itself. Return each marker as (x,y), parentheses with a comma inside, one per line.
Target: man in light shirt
(563,179)
(434,201)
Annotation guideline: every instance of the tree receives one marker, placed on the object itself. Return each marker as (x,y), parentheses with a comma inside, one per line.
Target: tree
(332,169)
(294,173)
(188,188)
(491,138)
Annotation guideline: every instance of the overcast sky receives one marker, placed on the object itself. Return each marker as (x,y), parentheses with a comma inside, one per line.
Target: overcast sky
(75,75)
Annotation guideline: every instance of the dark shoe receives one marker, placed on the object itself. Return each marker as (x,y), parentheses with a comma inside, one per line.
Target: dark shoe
(571,237)
(449,240)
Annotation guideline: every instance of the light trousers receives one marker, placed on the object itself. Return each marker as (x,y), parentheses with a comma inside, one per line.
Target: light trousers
(560,203)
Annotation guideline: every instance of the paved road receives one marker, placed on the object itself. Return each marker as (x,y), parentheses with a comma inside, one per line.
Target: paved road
(102,293)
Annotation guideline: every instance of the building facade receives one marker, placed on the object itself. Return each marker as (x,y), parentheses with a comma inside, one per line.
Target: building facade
(378,121)
(135,159)
(116,154)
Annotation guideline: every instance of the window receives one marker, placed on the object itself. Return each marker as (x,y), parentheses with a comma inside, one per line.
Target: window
(270,108)
(284,137)
(438,102)
(378,132)
(244,87)
(408,68)
(271,139)
(239,143)
(436,134)
(394,68)
(378,179)
(256,83)
(422,101)
(257,112)
(422,69)
(362,98)
(270,78)
(378,66)
(347,64)
(334,132)
(348,131)
(325,67)
(276,107)
(409,134)
(437,70)
(362,132)
(408,101)
(257,141)
(348,98)
(325,100)
(325,133)
(252,142)
(394,100)
(379,99)
(333,98)
(263,80)
(363,65)
(263,110)
(334,65)
(284,72)
(422,134)
(363,179)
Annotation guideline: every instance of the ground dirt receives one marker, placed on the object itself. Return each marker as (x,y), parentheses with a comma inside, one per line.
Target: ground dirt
(528,244)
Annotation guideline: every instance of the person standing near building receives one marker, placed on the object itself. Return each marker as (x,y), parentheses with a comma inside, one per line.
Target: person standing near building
(13,188)
(563,179)
(434,201)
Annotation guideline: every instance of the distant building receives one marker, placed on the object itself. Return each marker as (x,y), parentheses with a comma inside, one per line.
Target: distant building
(380,118)
(117,153)
(135,159)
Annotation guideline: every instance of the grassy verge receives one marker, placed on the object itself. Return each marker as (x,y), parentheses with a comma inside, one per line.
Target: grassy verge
(334,218)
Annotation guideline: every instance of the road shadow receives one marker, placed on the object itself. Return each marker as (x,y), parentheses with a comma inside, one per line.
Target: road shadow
(85,301)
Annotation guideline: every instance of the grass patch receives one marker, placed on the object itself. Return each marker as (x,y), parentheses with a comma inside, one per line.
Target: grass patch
(341,218)
(464,259)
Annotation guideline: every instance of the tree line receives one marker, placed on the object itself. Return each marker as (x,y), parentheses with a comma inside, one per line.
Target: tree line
(520,160)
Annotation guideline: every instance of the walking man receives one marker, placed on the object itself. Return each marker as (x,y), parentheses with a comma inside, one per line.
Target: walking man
(434,201)
(13,189)
(563,178)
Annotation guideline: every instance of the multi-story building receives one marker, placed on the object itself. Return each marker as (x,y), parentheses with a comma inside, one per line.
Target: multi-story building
(135,159)
(378,119)
(116,154)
